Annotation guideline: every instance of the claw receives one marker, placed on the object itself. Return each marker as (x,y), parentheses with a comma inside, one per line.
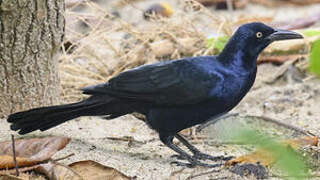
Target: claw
(177,156)
(203,156)
(194,163)
(182,164)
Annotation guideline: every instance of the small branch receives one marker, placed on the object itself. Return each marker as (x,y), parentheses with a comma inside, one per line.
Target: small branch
(202,174)
(62,158)
(172,174)
(288,126)
(14,155)
(268,119)
(128,139)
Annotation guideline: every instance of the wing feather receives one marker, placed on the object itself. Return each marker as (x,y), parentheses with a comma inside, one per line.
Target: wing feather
(173,82)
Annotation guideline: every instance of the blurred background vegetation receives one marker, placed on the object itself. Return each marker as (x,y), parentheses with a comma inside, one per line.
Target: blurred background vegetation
(104,38)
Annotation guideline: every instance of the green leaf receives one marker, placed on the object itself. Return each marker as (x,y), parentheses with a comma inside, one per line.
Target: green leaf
(288,160)
(315,57)
(218,42)
(311,32)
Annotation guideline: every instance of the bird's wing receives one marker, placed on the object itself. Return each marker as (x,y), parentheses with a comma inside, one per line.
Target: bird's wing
(174,82)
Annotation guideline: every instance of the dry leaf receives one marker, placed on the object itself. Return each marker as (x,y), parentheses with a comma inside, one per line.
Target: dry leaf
(22,176)
(30,151)
(57,171)
(10,177)
(302,142)
(266,158)
(91,170)
(13,171)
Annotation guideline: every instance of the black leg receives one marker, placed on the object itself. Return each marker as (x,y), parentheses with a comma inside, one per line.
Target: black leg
(167,140)
(197,153)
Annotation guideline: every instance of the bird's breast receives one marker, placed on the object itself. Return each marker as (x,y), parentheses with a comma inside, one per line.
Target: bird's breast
(235,87)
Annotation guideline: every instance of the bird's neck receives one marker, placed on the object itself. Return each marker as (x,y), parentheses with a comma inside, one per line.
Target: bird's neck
(235,54)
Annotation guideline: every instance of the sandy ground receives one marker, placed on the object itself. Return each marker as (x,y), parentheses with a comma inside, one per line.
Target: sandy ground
(292,102)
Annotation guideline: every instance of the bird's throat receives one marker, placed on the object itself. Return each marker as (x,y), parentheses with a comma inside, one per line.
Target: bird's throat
(238,59)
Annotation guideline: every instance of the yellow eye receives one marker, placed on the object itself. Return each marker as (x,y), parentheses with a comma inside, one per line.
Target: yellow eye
(259,34)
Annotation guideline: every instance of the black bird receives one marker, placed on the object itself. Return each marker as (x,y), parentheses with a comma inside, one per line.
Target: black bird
(173,95)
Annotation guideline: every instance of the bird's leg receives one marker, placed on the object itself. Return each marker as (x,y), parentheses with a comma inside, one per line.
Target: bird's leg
(167,140)
(198,154)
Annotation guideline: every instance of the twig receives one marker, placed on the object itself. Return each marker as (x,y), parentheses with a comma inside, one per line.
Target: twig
(268,119)
(176,172)
(129,139)
(202,174)
(62,158)
(289,126)
(14,155)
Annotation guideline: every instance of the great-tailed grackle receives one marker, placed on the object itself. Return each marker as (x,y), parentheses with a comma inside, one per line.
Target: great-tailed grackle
(173,95)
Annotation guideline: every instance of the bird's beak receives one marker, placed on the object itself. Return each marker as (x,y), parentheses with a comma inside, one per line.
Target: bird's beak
(279,35)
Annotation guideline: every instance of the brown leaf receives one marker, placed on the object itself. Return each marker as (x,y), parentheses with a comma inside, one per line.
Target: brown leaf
(30,151)
(57,171)
(10,177)
(301,142)
(21,170)
(91,170)
(22,176)
(266,158)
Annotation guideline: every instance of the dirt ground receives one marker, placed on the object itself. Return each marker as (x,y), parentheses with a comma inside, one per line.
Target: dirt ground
(287,99)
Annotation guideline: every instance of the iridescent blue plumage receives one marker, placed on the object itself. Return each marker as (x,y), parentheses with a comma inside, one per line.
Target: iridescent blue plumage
(173,95)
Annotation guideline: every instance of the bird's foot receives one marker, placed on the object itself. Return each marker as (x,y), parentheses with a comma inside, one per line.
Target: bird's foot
(203,156)
(193,162)
(182,164)
(177,156)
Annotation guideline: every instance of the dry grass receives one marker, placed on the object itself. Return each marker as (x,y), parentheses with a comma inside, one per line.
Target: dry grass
(107,45)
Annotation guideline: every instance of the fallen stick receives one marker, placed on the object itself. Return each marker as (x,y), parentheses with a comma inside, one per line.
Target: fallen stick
(285,125)
(62,158)
(14,155)
(268,119)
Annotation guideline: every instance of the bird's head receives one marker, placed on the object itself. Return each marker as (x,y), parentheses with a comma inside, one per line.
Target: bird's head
(252,38)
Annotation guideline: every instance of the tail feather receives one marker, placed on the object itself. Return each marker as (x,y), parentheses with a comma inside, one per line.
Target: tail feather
(73,114)
(40,111)
(47,117)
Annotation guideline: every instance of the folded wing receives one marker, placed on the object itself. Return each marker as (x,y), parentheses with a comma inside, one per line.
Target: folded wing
(167,83)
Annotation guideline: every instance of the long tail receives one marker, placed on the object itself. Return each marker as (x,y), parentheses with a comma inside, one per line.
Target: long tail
(45,118)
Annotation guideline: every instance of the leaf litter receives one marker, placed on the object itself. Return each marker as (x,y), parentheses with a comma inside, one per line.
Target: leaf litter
(34,155)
